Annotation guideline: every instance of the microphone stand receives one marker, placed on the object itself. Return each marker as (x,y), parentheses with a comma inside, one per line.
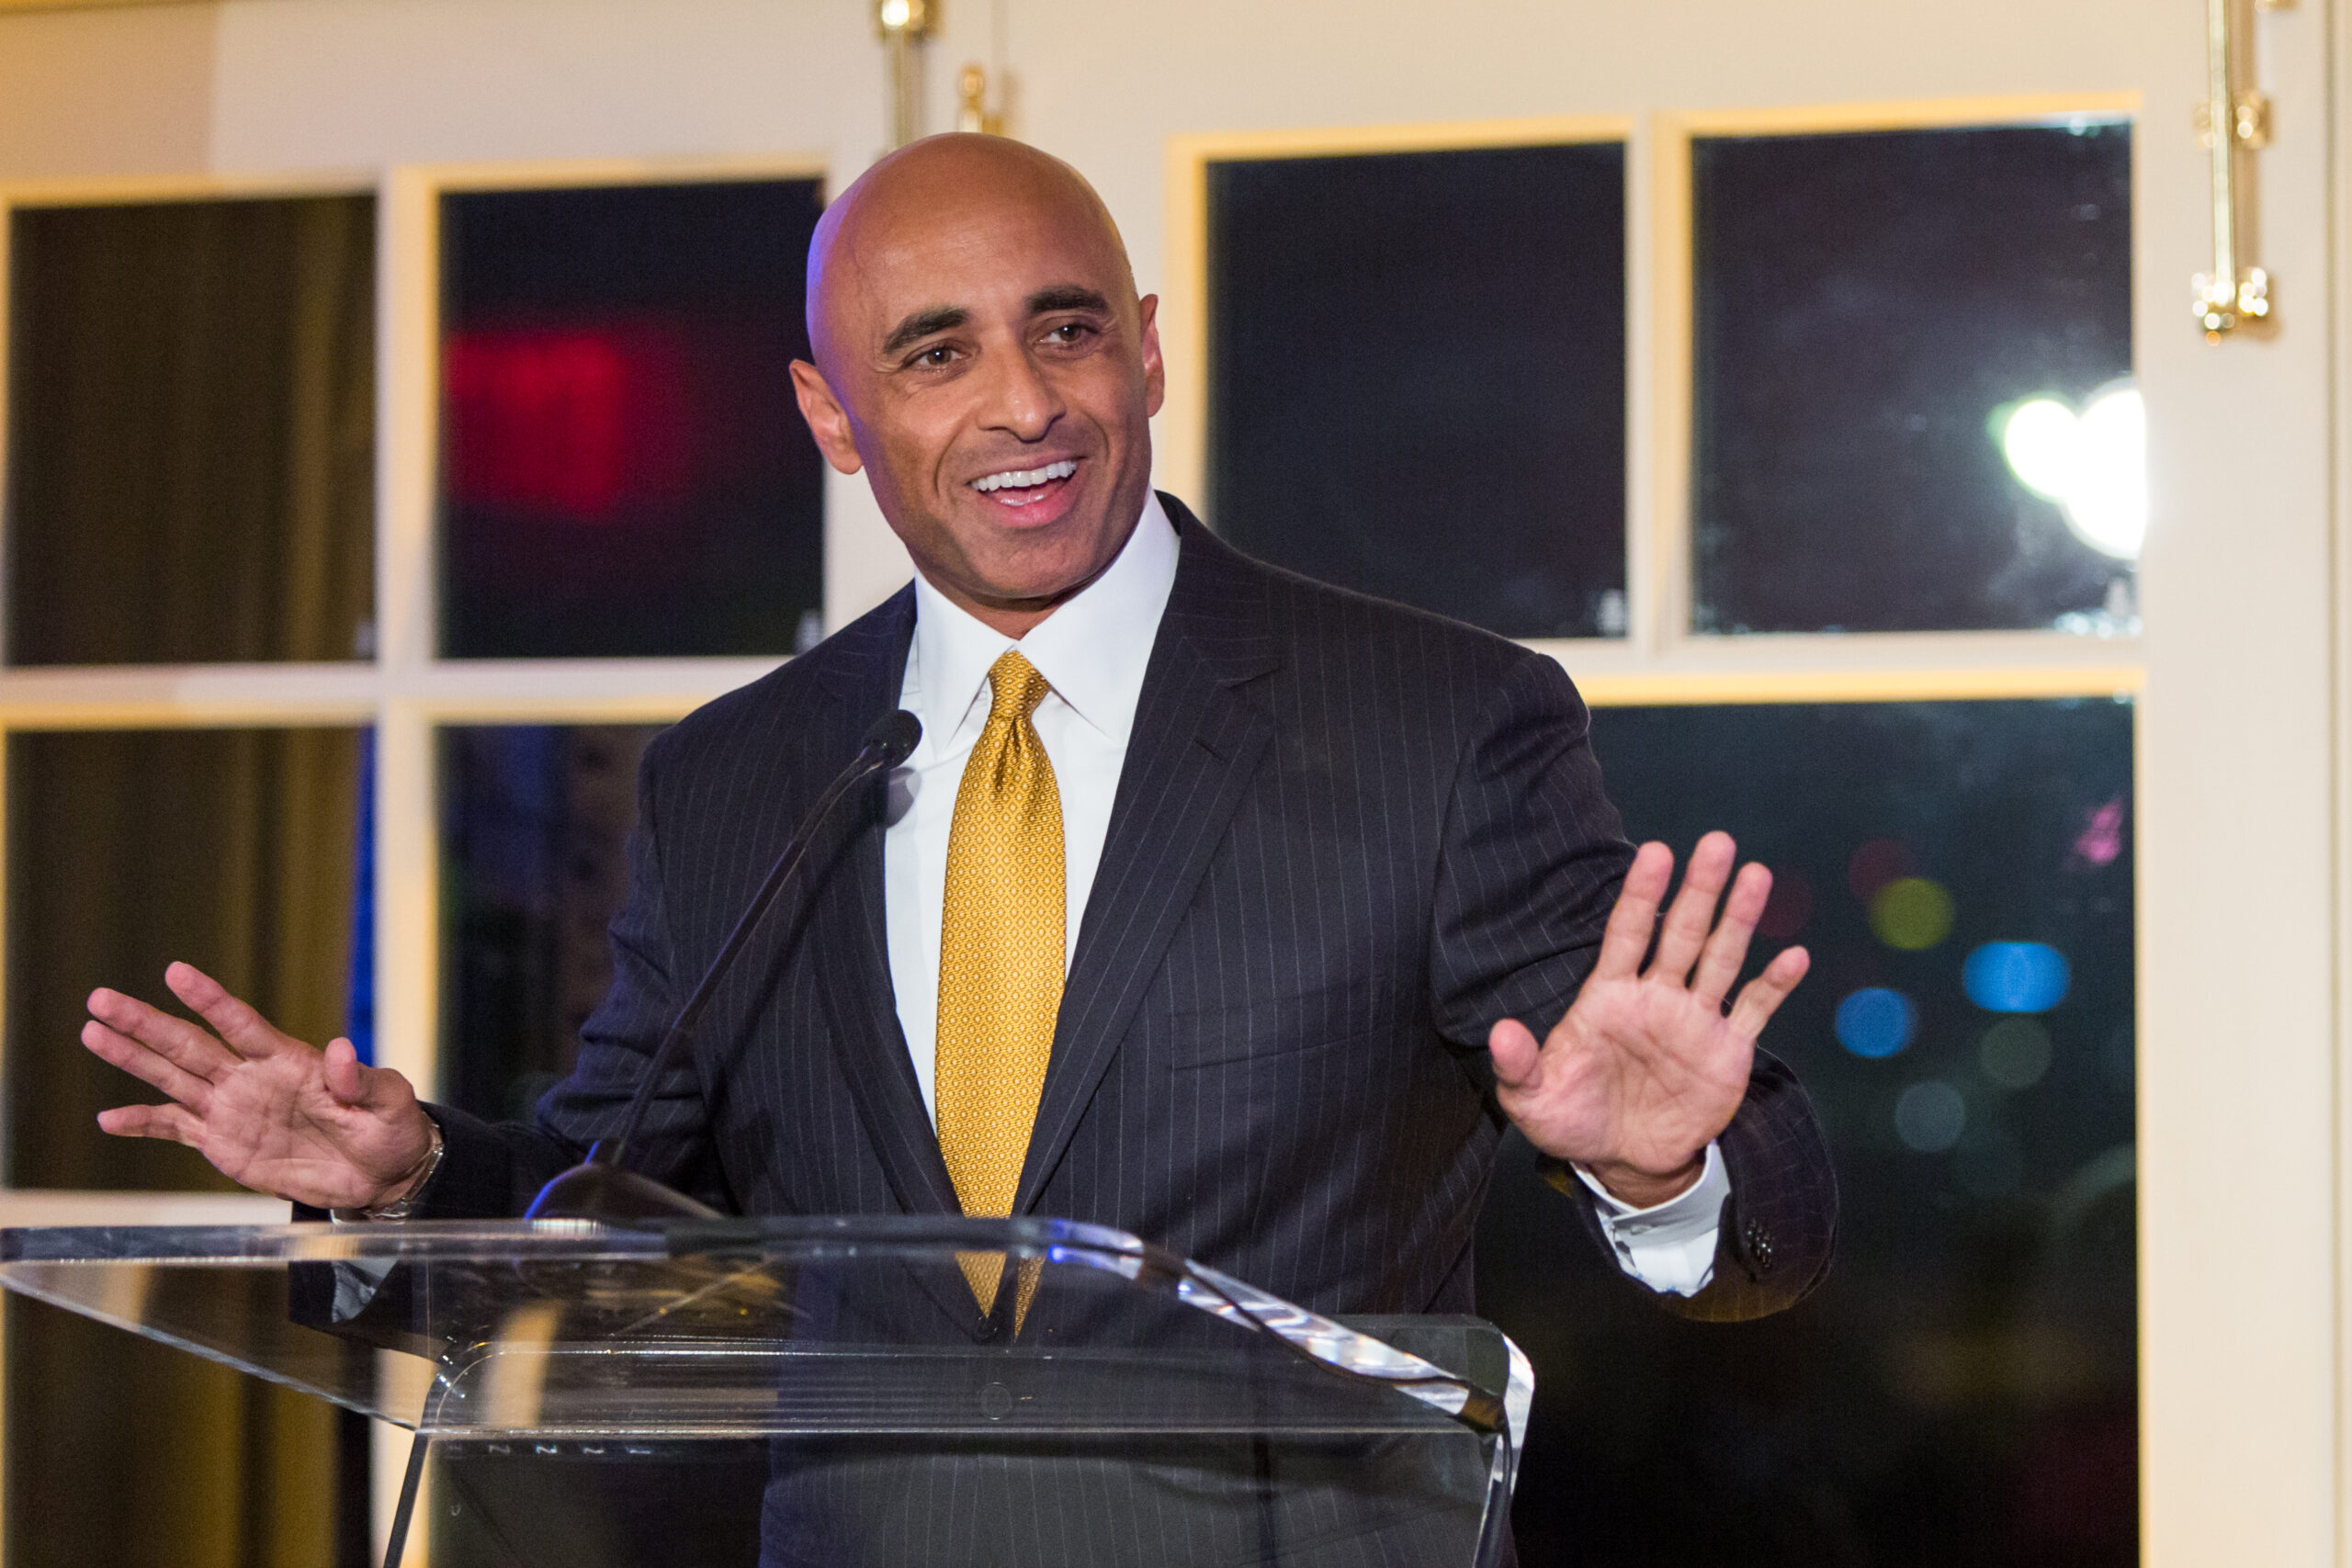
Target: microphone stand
(602,1186)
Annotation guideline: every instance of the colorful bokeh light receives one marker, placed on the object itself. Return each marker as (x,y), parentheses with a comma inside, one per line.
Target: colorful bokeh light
(2014,1053)
(577,423)
(1911,914)
(2101,839)
(1876,1023)
(1875,864)
(2016,976)
(1930,1117)
(1789,908)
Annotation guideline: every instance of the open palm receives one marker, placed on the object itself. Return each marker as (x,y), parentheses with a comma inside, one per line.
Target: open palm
(270,1112)
(1647,1067)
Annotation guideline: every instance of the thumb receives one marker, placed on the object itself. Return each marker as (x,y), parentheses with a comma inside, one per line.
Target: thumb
(1515,1052)
(346,1079)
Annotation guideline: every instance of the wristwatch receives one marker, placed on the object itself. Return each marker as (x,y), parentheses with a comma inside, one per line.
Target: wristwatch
(400,1208)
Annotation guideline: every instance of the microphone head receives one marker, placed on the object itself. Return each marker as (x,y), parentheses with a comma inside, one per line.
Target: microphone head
(894,735)
(597,1190)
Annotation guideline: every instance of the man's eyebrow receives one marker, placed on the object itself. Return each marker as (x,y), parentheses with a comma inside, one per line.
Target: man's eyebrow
(1067,297)
(922,324)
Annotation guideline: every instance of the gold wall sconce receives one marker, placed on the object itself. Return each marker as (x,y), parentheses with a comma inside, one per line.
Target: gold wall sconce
(903,26)
(2232,123)
(972,112)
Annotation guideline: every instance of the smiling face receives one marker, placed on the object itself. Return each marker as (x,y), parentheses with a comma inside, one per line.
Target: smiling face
(982,355)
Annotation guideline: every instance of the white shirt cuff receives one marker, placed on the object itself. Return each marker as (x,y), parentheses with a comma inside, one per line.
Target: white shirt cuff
(1670,1246)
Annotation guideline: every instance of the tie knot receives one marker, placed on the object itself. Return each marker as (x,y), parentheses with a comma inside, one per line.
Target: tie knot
(1015,688)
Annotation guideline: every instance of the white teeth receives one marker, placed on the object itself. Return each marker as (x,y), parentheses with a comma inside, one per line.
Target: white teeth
(1023,479)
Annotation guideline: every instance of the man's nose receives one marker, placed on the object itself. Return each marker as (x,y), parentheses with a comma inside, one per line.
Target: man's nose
(1021,399)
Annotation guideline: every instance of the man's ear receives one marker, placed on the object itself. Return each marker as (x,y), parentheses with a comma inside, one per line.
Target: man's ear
(828,421)
(1155,372)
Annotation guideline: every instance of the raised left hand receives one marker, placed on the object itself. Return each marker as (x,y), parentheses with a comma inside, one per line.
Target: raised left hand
(1646,1066)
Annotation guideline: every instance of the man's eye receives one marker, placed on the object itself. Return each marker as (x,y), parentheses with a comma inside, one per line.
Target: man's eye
(1069,333)
(935,357)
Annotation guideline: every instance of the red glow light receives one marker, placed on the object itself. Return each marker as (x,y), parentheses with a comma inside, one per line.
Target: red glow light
(1789,908)
(575,423)
(1875,864)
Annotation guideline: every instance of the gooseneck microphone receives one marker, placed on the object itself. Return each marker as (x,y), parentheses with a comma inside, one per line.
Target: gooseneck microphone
(602,1186)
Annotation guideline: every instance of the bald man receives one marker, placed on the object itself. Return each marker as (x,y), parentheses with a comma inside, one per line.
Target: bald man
(1325,865)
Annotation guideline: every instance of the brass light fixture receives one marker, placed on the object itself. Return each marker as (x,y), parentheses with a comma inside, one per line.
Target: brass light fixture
(972,111)
(2232,122)
(904,25)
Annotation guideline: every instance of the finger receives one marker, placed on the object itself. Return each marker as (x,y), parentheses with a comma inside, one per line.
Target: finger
(175,1039)
(1693,911)
(1726,950)
(1762,997)
(378,1090)
(143,1063)
(176,1123)
(1634,918)
(247,1033)
(344,1075)
(1514,1049)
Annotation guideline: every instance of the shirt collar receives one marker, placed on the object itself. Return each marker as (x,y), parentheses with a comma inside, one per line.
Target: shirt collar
(1092,650)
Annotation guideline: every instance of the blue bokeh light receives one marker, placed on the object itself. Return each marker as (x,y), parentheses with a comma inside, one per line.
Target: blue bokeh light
(1876,1022)
(2016,976)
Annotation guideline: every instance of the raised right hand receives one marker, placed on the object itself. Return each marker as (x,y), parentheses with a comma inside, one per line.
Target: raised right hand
(270,1112)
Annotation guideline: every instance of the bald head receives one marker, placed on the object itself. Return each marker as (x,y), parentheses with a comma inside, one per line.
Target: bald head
(980,354)
(936,183)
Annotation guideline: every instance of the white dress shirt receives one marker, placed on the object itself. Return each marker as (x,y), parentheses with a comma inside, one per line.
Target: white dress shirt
(1092,650)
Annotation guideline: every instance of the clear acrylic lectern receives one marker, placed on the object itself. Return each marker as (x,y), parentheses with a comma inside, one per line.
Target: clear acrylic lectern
(833,1392)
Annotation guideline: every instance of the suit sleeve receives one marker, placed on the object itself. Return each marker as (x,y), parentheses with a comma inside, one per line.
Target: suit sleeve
(1533,858)
(1778,1228)
(494,1169)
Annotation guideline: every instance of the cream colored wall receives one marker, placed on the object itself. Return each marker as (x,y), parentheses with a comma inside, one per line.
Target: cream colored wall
(87,93)
(307,83)
(302,86)
(2239,786)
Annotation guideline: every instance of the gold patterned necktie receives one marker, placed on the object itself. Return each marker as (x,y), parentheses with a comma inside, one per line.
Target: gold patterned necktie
(1000,958)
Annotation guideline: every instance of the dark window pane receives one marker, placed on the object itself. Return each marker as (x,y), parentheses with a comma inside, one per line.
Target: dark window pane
(231,849)
(191,441)
(1417,377)
(1872,310)
(624,471)
(533,823)
(1961,1389)
(123,1451)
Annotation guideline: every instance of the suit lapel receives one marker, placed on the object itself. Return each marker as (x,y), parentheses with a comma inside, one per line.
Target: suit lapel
(1197,742)
(854,949)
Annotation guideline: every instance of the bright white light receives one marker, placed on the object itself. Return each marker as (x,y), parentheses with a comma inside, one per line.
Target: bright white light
(2107,508)
(896,12)
(2039,441)
(2094,466)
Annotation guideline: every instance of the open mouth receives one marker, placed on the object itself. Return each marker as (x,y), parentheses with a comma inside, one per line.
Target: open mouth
(1026,487)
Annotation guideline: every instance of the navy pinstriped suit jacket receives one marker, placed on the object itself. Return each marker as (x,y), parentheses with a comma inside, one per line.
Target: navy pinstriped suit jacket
(1347,838)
